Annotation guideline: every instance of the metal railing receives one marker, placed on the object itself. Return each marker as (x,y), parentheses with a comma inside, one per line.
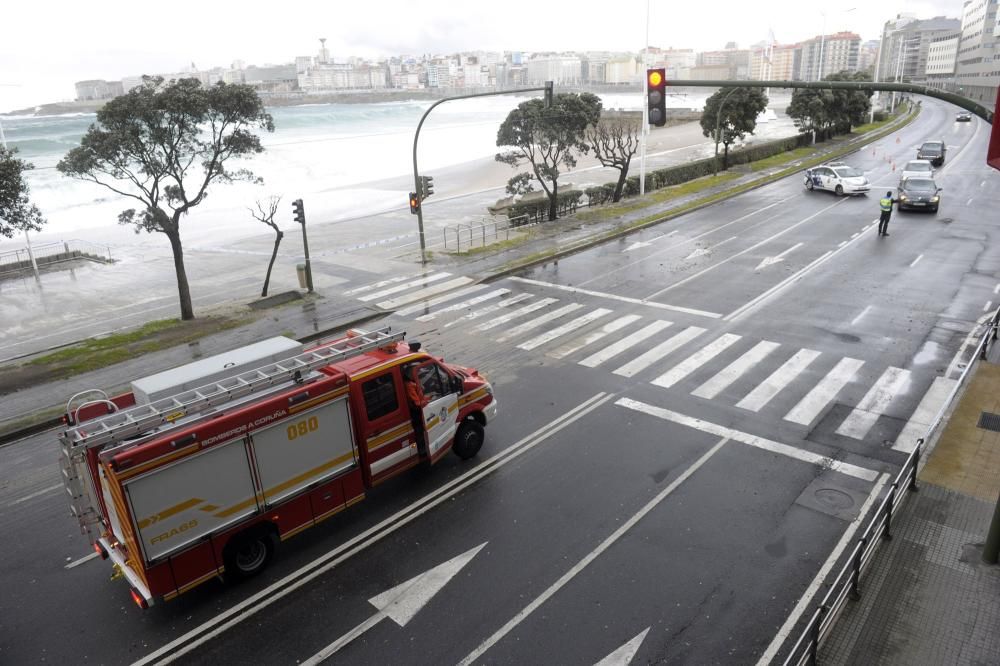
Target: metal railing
(475,234)
(847,584)
(18,260)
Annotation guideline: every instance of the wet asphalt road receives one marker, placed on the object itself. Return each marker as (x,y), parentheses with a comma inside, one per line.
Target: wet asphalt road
(679,492)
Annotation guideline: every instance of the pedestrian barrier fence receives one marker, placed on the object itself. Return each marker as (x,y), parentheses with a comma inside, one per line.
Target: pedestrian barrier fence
(464,237)
(847,585)
(20,260)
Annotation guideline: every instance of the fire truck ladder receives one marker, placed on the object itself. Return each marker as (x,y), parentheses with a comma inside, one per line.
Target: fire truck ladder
(136,421)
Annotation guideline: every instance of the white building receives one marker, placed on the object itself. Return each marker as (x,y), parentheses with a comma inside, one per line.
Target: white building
(621,70)
(977,71)
(561,69)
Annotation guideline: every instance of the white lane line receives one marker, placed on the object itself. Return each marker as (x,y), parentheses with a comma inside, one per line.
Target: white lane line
(76,563)
(916,261)
(431,302)
(419,282)
(725,377)
(560,331)
(496,293)
(855,235)
(627,342)
(631,265)
(824,392)
(750,440)
(854,322)
(987,306)
(39,493)
(247,608)
(482,312)
(819,581)
(441,287)
(590,338)
(532,324)
(695,361)
(643,361)
(996,289)
(969,202)
(923,416)
(841,244)
(623,656)
(778,380)
(861,419)
(379,285)
(616,297)
(742,252)
(510,316)
(474,656)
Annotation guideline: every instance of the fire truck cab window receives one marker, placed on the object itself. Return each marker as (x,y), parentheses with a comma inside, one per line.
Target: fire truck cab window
(380,396)
(431,381)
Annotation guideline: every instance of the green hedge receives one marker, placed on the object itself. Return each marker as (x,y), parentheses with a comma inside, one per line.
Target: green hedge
(689,171)
(537,207)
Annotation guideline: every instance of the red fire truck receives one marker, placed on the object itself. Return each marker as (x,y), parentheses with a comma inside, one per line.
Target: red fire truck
(200,470)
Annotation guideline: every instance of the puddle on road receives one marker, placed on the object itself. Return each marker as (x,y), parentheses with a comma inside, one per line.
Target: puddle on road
(928,353)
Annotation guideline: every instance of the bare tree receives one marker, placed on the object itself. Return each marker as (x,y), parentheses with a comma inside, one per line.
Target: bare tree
(614,141)
(266,210)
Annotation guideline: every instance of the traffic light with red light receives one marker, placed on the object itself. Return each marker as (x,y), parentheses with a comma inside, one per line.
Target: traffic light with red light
(414,203)
(656,91)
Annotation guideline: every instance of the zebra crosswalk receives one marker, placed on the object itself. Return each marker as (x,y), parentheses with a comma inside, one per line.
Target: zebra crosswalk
(752,375)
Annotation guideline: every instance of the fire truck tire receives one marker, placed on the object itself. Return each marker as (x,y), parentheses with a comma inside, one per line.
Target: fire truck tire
(468,440)
(248,554)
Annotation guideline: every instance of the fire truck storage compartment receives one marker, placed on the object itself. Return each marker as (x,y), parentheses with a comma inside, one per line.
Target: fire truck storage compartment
(208,370)
(304,449)
(218,491)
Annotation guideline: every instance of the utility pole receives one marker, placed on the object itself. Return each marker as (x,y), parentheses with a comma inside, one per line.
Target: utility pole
(645,110)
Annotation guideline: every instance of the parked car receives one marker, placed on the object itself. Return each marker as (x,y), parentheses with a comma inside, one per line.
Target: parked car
(918,194)
(917,169)
(838,178)
(963,117)
(933,151)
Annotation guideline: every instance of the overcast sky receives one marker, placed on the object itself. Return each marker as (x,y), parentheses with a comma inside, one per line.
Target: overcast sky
(47,45)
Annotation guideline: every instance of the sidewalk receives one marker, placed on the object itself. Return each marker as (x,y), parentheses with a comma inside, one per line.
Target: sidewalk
(928,598)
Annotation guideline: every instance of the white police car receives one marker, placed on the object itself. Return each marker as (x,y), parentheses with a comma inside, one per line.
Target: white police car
(838,178)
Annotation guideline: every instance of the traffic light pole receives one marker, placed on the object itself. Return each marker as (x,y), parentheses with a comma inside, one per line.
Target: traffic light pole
(547,89)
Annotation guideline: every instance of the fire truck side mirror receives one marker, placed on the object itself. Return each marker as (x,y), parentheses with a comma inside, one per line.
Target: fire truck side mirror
(456,385)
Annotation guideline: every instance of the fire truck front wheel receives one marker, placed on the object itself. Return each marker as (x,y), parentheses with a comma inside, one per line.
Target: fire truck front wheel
(468,439)
(248,554)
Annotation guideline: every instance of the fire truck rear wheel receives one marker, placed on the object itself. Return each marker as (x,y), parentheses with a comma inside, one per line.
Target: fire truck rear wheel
(468,440)
(248,555)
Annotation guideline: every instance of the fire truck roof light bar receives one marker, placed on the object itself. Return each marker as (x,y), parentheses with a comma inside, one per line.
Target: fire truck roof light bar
(138,420)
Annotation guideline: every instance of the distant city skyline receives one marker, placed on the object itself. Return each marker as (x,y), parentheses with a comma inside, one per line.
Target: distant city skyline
(40,59)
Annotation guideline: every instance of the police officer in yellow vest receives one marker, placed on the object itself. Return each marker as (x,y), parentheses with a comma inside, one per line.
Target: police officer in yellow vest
(885,203)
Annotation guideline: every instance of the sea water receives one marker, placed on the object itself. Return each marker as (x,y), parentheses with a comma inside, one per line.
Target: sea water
(330,155)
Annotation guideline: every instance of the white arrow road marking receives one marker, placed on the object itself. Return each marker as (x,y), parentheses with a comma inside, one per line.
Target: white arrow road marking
(778,257)
(638,244)
(402,602)
(701,251)
(623,655)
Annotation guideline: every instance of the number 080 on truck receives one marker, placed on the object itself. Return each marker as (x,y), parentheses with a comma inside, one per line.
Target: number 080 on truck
(199,471)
